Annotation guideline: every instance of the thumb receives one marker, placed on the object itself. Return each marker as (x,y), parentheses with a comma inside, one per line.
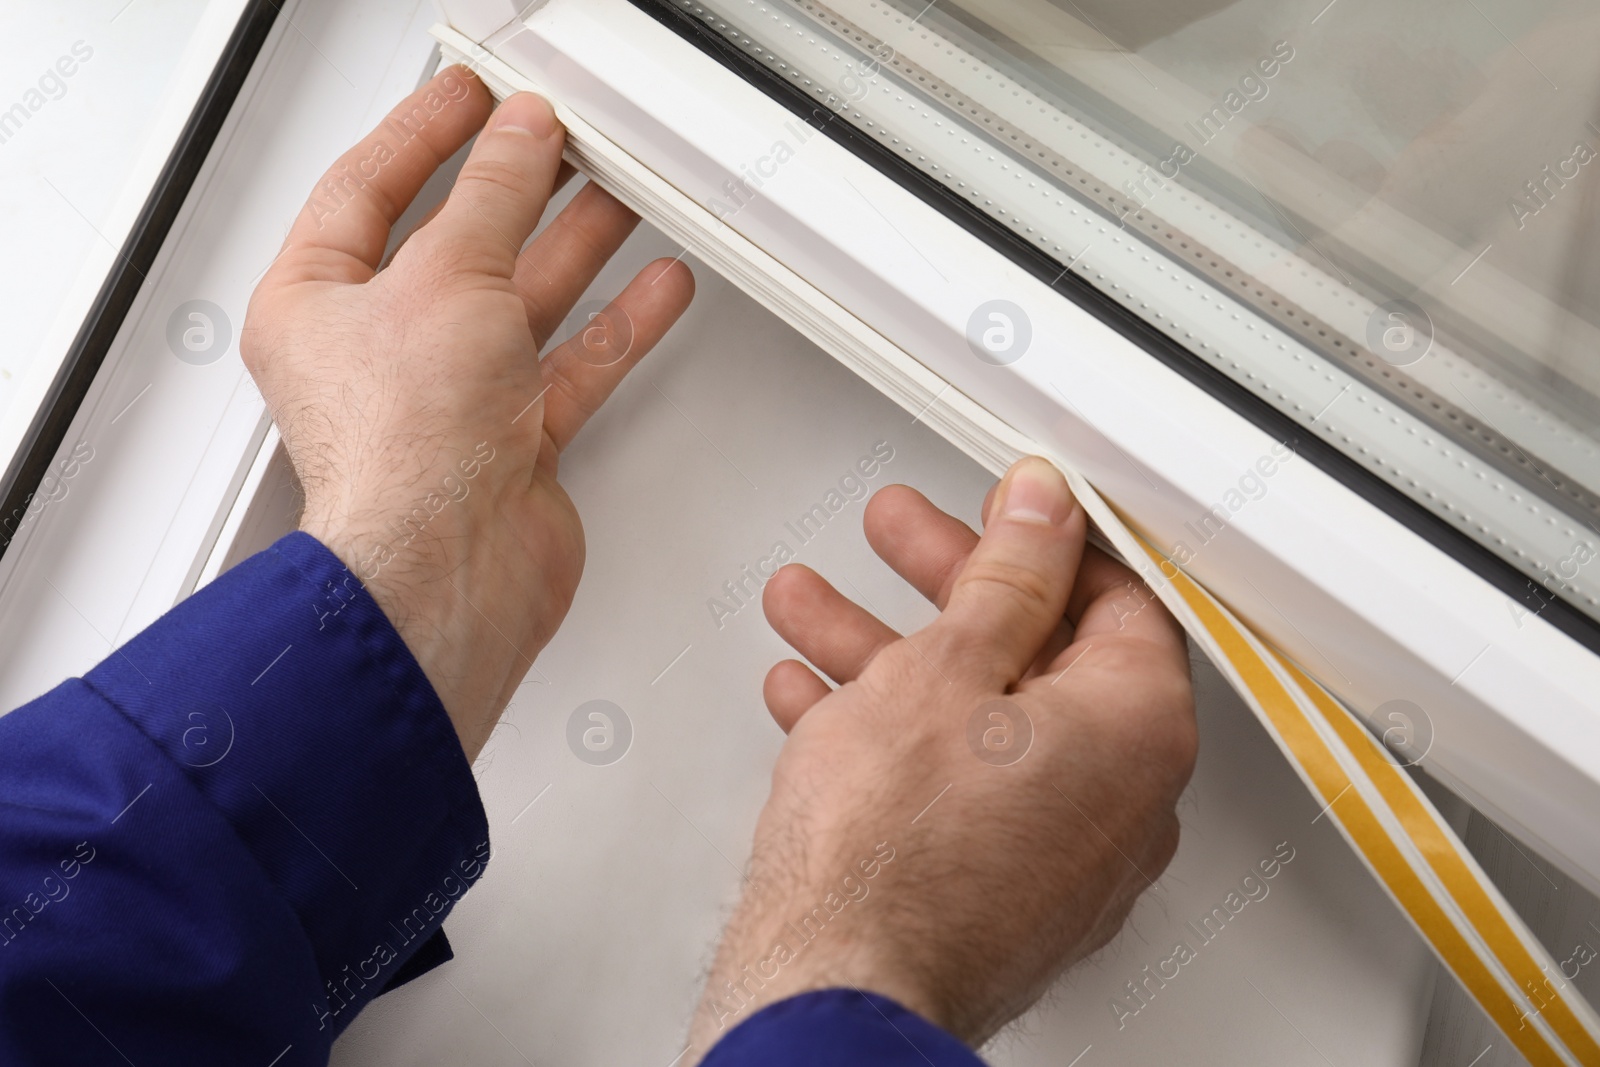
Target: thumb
(504,185)
(1012,591)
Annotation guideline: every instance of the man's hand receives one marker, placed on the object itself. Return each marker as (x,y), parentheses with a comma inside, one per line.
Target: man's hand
(978,804)
(423,426)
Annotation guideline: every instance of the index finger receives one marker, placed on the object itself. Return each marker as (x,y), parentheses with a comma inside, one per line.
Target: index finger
(341,232)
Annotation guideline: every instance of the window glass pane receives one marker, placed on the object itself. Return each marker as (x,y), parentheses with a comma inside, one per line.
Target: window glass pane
(1378,217)
(94,96)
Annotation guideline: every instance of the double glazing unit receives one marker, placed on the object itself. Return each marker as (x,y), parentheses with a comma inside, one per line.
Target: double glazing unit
(1364,225)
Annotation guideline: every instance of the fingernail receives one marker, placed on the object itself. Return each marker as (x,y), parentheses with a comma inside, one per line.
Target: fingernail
(526,113)
(1036,492)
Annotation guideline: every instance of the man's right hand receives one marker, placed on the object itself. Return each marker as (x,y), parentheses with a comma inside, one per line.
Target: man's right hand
(979,803)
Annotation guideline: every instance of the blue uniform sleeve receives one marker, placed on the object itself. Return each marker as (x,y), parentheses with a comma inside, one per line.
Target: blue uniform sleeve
(837,1026)
(252,819)
(233,833)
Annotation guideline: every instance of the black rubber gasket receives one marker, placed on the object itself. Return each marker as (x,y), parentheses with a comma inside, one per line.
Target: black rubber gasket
(1533,598)
(48,429)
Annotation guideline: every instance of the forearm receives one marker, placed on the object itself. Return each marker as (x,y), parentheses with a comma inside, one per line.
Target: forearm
(445,583)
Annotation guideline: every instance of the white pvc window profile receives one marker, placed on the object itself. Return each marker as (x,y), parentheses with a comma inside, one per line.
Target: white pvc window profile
(1374,610)
(175,444)
(78,186)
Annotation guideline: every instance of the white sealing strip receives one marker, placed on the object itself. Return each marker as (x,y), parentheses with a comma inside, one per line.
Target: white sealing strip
(1399,835)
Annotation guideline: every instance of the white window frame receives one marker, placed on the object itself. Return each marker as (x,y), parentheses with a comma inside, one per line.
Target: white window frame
(186,85)
(1376,611)
(175,446)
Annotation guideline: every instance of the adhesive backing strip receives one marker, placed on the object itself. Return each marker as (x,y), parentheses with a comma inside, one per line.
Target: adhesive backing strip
(1366,793)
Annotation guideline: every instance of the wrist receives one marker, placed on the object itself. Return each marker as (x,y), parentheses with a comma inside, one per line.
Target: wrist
(422,579)
(781,946)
